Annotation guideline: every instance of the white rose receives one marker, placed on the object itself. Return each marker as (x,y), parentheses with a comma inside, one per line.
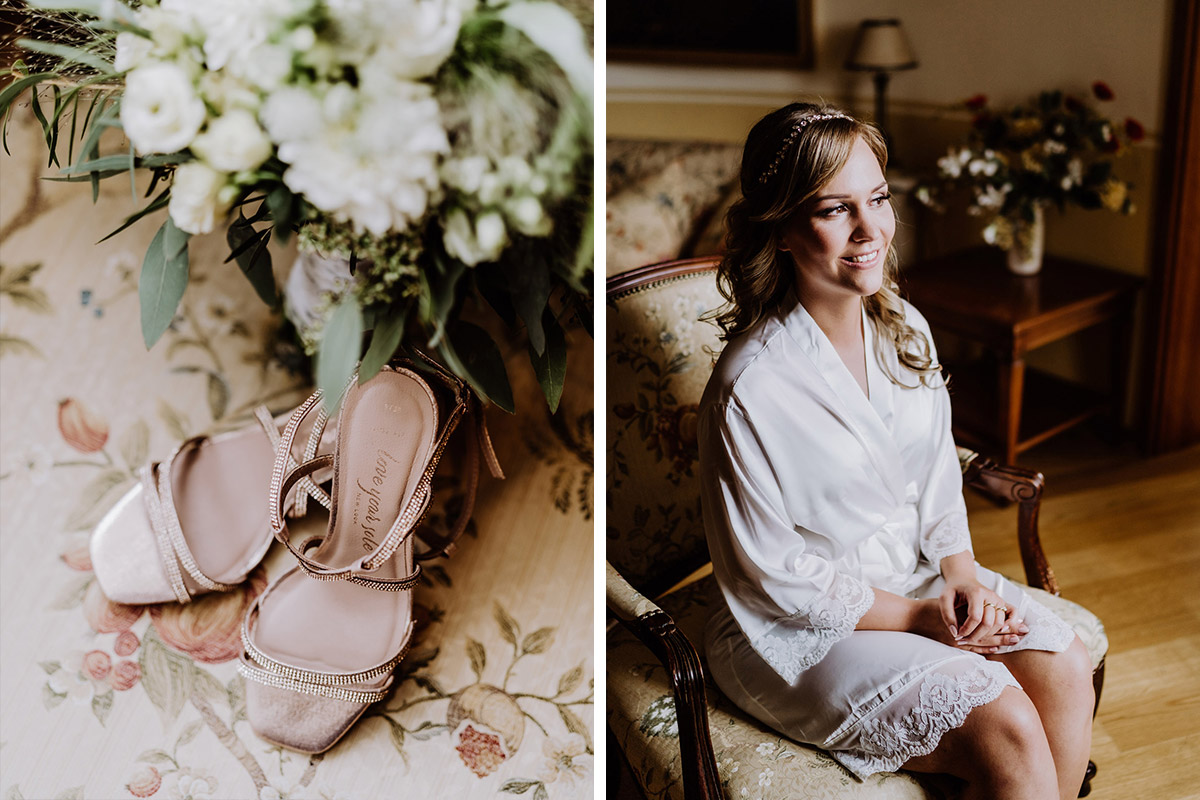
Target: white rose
(292,114)
(160,111)
(233,142)
(197,198)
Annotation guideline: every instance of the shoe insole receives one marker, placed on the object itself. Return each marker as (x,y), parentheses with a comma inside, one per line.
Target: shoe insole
(385,439)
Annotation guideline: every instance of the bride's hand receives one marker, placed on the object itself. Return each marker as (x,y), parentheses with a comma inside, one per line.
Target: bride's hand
(978,619)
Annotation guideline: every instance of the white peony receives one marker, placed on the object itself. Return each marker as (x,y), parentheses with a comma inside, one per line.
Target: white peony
(197,198)
(367,157)
(160,111)
(233,142)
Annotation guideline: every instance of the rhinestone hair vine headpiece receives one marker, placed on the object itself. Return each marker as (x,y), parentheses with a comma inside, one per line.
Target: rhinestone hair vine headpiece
(801,125)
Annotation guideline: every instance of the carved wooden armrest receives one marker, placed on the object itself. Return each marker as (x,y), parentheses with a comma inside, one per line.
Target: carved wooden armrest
(1024,487)
(655,628)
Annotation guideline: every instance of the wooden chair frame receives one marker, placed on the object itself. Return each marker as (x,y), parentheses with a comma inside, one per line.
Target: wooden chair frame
(657,630)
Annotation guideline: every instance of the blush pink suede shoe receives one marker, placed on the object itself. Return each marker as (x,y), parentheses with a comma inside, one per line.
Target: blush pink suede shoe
(321,643)
(195,523)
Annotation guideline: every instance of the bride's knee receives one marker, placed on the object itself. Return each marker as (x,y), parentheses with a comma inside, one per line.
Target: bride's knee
(1073,671)
(1006,736)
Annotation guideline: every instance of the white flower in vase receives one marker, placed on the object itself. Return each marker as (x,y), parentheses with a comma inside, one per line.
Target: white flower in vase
(198,197)
(160,111)
(233,142)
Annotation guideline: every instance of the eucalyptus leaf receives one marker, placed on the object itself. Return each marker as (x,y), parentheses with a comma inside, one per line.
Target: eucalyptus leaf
(174,239)
(341,344)
(551,365)
(471,354)
(384,340)
(161,286)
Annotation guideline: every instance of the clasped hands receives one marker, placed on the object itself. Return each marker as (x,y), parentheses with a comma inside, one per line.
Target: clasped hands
(977,619)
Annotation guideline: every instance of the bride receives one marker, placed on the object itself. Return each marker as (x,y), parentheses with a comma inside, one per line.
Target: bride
(855,617)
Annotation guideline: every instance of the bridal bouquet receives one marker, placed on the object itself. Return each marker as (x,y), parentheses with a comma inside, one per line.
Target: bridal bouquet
(437,152)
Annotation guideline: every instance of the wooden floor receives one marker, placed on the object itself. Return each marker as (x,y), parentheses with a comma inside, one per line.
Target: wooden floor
(1123,536)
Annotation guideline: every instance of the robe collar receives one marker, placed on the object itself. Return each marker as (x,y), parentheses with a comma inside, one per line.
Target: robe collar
(864,418)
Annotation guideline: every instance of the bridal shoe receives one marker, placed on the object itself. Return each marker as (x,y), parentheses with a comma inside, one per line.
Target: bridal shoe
(195,523)
(321,643)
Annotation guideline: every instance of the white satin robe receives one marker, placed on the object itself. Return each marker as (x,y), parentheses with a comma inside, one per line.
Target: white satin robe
(813,495)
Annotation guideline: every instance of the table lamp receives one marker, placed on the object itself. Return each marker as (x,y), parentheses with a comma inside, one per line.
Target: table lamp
(881,47)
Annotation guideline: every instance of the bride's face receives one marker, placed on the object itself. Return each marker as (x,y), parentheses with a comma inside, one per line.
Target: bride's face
(839,239)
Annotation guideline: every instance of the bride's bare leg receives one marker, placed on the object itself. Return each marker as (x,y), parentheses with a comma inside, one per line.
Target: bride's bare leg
(1000,750)
(1060,686)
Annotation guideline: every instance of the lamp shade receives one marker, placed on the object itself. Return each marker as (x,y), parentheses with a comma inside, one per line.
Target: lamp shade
(881,46)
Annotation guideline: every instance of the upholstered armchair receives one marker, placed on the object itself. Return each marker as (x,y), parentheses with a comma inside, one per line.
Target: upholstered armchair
(679,736)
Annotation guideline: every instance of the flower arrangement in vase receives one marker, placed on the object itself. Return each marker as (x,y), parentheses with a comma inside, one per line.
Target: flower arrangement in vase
(1054,149)
(440,151)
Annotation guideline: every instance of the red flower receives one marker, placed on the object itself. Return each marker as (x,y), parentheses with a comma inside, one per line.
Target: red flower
(1134,130)
(125,675)
(97,664)
(481,752)
(81,429)
(144,783)
(209,628)
(104,615)
(127,642)
(976,103)
(1102,91)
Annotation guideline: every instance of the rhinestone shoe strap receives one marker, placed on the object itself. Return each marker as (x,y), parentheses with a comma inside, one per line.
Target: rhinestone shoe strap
(168,533)
(311,489)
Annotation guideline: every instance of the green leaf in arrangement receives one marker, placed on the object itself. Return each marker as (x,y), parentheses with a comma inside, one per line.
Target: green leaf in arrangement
(385,338)
(249,247)
(14,89)
(551,365)
(528,278)
(154,205)
(71,54)
(491,285)
(282,204)
(162,283)
(470,353)
(341,344)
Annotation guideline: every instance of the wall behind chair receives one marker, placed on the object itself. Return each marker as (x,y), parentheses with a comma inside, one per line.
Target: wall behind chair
(1006,49)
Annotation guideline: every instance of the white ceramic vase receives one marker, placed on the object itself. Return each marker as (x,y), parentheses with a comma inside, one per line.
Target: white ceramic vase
(1029,242)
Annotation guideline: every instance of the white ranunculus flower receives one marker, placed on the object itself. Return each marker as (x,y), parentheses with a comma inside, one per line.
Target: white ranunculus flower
(160,111)
(132,50)
(491,235)
(197,198)
(465,173)
(949,166)
(366,157)
(233,142)
(267,66)
(406,39)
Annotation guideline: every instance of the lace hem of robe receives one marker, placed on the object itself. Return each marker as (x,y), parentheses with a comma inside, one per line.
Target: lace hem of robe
(798,642)
(943,704)
(950,536)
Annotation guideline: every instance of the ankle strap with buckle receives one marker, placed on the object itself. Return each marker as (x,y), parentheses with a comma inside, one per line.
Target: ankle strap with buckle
(465,404)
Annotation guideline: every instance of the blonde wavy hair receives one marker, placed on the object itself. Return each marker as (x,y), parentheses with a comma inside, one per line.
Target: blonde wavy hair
(784,165)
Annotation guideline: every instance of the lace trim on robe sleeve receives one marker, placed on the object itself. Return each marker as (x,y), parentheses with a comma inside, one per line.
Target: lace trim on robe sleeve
(948,537)
(799,641)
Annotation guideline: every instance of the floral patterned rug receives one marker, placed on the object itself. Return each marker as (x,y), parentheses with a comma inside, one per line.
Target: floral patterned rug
(103,701)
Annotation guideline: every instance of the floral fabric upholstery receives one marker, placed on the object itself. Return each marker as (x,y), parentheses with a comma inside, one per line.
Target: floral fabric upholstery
(753,761)
(662,198)
(111,701)
(658,362)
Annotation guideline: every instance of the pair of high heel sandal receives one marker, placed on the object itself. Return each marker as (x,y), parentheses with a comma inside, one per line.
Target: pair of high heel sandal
(322,642)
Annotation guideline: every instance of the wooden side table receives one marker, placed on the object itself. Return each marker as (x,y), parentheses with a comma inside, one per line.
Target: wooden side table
(972,294)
